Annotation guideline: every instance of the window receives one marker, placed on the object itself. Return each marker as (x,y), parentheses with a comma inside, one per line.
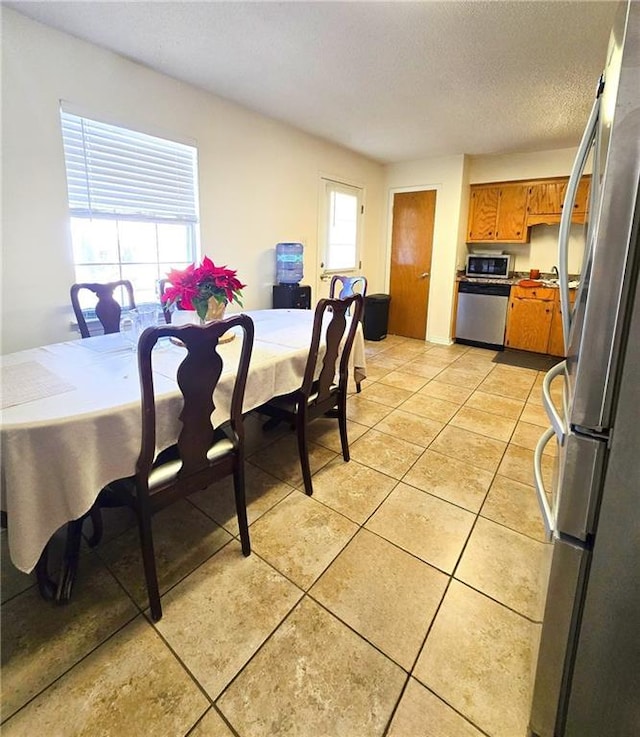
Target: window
(132,202)
(340,227)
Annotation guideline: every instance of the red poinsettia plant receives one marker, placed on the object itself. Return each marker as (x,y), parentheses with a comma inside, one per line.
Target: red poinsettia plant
(191,288)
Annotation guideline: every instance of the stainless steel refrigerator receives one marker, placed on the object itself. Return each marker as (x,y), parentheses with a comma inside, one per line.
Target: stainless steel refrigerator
(587,680)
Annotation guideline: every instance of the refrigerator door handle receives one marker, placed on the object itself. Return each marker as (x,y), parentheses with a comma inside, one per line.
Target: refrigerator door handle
(588,138)
(545,508)
(556,420)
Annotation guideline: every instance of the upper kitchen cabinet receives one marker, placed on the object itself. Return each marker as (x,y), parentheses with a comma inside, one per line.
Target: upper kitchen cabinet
(498,213)
(546,199)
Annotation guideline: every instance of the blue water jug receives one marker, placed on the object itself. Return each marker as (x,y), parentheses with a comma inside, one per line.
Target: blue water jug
(289,263)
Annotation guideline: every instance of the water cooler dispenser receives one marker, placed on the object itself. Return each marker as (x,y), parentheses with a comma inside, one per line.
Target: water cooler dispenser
(288,293)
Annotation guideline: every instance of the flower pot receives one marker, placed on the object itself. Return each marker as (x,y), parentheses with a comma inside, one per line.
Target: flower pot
(215,310)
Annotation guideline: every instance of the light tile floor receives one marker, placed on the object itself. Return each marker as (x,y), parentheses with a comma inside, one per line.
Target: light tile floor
(402,599)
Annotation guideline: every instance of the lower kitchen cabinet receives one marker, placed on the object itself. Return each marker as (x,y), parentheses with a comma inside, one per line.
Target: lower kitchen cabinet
(529,319)
(534,320)
(556,334)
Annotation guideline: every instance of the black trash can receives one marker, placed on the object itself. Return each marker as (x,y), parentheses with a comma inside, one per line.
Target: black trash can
(376,316)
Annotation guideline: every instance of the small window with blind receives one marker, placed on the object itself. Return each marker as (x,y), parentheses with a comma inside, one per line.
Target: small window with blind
(132,201)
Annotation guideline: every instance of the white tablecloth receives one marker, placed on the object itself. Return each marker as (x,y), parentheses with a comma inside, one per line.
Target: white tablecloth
(71,416)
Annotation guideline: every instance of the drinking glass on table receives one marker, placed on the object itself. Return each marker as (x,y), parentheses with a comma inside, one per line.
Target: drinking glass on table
(148,316)
(129,328)
(134,322)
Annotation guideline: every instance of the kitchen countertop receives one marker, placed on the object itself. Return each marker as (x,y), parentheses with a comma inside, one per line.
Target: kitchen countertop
(546,280)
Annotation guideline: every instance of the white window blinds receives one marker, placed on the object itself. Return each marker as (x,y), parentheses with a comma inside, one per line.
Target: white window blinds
(118,173)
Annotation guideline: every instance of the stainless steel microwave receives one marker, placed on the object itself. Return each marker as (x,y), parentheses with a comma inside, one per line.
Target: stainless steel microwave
(496,266)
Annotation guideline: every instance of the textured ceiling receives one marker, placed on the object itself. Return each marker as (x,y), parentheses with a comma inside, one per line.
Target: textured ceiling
(392,80)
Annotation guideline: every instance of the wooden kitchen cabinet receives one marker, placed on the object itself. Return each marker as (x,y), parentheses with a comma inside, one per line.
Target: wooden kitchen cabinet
(483,214)
(503,212)
(534,320)
(556,334)
(546,199)
(497,213)
(581,205)
(529,318)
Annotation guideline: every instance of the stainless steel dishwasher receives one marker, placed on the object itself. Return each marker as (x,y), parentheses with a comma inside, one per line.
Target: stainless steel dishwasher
(482,314)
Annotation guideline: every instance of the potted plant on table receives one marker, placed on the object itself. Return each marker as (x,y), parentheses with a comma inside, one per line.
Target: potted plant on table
(207,289)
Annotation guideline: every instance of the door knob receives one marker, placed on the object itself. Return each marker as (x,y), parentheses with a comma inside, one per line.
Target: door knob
(424,275)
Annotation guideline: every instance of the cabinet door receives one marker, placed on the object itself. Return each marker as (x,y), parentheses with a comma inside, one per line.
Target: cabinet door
(528,324)
(483,213)
(556,333)
(512,214)
(545,202)
(581,205)
(546,197)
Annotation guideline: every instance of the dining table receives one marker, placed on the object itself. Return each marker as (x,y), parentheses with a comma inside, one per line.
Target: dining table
(70,418)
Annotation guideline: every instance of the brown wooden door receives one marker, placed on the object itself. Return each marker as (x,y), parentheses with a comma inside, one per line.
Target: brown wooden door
(411,248)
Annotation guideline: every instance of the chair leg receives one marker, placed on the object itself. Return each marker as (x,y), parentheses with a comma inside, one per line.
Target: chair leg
(46,585)
(303,452)
(70,562)
(149,564)
(241,507)
(342,424)
(98,528)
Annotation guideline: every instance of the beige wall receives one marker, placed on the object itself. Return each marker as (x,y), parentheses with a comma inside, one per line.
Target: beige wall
(258,179)
(447,176)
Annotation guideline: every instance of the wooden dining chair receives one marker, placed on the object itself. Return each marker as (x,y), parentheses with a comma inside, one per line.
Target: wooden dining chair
(203,454)
(161,285)
(108,310)
(324,387)
(349,285)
